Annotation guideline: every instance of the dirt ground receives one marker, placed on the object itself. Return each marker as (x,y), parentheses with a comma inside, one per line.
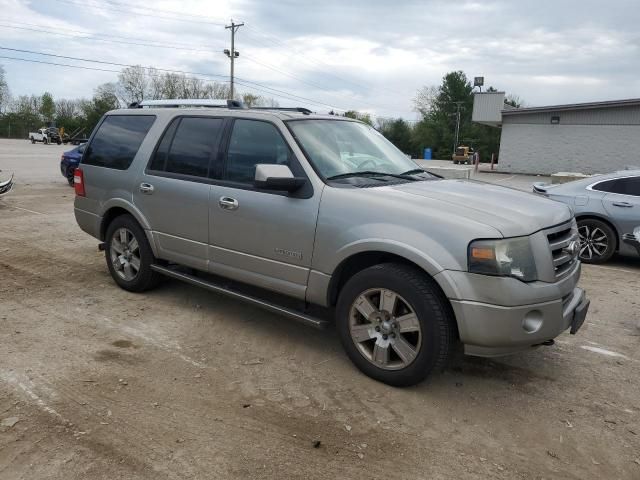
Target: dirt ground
(181,383)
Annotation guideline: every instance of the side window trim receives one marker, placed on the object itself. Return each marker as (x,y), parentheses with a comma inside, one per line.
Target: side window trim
(595,184)
(96,129)
(304,193)
(177,120)
(290,155)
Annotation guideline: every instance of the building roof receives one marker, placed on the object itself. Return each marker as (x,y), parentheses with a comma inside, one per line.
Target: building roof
(631,102)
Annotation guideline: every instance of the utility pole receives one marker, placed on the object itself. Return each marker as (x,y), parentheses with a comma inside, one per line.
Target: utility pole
(455,144)
(233,54)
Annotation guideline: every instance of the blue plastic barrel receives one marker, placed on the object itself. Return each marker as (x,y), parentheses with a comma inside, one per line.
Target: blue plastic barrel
(427,154)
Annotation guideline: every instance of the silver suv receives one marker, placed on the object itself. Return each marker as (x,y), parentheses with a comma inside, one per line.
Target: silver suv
(320,218)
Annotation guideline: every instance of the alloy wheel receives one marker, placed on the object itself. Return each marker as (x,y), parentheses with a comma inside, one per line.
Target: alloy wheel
(385,329)
(593,242)
(124,252)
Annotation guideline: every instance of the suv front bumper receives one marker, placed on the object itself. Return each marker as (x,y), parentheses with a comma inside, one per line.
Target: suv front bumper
(499,316)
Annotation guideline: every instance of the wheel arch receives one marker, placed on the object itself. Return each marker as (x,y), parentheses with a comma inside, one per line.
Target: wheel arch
(362,260)
(603,219)
(120,207)
(357,262)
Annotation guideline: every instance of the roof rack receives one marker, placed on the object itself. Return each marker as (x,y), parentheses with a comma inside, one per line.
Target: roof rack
(188,103)
(303,110)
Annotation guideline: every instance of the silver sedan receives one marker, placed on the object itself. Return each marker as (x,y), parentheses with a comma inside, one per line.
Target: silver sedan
(607,208)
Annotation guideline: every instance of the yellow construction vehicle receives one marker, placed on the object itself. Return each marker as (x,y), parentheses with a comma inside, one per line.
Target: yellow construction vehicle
(463,154)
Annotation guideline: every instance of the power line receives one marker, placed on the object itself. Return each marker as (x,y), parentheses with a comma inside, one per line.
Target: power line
(91,37)
(120,10)
(284,95)
(196,18)
(310,60)
(242,81)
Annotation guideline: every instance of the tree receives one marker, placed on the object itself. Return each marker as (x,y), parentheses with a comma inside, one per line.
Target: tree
(514,100)
(363,117)
(104,99)
(5,94)
(133,85)
(69,115)
(398,132)
(423,101)
(439,108)
(47,107)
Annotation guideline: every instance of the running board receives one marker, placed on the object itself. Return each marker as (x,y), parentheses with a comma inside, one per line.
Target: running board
(272,307)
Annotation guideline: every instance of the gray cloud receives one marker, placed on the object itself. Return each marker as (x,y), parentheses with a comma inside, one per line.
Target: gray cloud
(371,55)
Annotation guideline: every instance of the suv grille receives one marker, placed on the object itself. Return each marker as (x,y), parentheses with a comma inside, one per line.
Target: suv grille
(560,240)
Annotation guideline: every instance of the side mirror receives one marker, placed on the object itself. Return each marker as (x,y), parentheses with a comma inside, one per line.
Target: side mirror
(277,177)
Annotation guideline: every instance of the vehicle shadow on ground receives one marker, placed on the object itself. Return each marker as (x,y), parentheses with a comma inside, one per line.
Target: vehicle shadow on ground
(519,370)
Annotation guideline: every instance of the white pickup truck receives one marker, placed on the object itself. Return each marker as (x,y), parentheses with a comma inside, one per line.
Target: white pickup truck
(45,135)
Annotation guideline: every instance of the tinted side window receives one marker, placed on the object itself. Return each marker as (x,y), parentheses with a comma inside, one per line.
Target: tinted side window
(117,141)
(253,142)
(188,146)
(624,186)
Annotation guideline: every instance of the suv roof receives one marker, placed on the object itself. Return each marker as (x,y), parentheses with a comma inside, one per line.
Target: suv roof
(225,107)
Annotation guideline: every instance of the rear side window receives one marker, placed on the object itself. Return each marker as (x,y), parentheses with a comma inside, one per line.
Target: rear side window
(622,186)
(188,146)
(117,141)
(253,142)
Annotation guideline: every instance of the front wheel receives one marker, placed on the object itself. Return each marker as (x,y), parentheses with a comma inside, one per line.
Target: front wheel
(395,324)
(129,256)
(597,241)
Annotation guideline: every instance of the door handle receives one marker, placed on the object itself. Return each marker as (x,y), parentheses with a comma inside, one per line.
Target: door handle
(228,203)
(622,204)
(146,188)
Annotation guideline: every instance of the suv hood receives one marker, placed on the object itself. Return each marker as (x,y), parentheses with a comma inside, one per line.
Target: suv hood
(512,212)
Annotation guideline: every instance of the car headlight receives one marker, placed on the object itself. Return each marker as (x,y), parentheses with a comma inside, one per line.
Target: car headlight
(511,257)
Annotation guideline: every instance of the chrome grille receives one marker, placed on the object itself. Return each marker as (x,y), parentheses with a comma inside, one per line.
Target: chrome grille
(560,239)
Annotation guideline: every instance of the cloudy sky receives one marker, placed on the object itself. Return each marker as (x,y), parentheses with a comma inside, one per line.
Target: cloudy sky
(369,55)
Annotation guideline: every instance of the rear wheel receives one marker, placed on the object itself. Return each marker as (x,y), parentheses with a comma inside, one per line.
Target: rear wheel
(129,256)
(33,140)
(395,324)
(597,241)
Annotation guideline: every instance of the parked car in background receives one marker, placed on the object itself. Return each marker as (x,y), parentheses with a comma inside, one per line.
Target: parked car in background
(5,185)
(46,135)
(69,162)
(633,239)
(607,209)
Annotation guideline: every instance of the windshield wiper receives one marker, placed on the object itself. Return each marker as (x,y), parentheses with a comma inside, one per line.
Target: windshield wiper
(416,171)
(367,173)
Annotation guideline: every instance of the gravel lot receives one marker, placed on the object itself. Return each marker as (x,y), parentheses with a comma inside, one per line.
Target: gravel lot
(181,383)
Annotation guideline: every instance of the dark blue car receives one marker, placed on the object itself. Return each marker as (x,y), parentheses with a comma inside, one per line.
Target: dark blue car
(70,161)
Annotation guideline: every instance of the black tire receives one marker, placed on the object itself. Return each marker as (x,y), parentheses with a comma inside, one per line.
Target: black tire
(587,226)
(45,141)
(33,140)
(70,172)
(145,278)
(432,309)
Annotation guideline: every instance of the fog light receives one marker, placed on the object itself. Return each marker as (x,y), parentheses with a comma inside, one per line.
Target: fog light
(532,321)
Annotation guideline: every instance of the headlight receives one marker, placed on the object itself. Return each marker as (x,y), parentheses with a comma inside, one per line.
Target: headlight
(511,257)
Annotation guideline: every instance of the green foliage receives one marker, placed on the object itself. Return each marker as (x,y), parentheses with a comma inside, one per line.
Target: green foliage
(363,117)
(398,132)
(47,107)
(439,106)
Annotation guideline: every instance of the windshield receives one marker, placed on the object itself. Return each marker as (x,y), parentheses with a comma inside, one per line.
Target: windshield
(338,147)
